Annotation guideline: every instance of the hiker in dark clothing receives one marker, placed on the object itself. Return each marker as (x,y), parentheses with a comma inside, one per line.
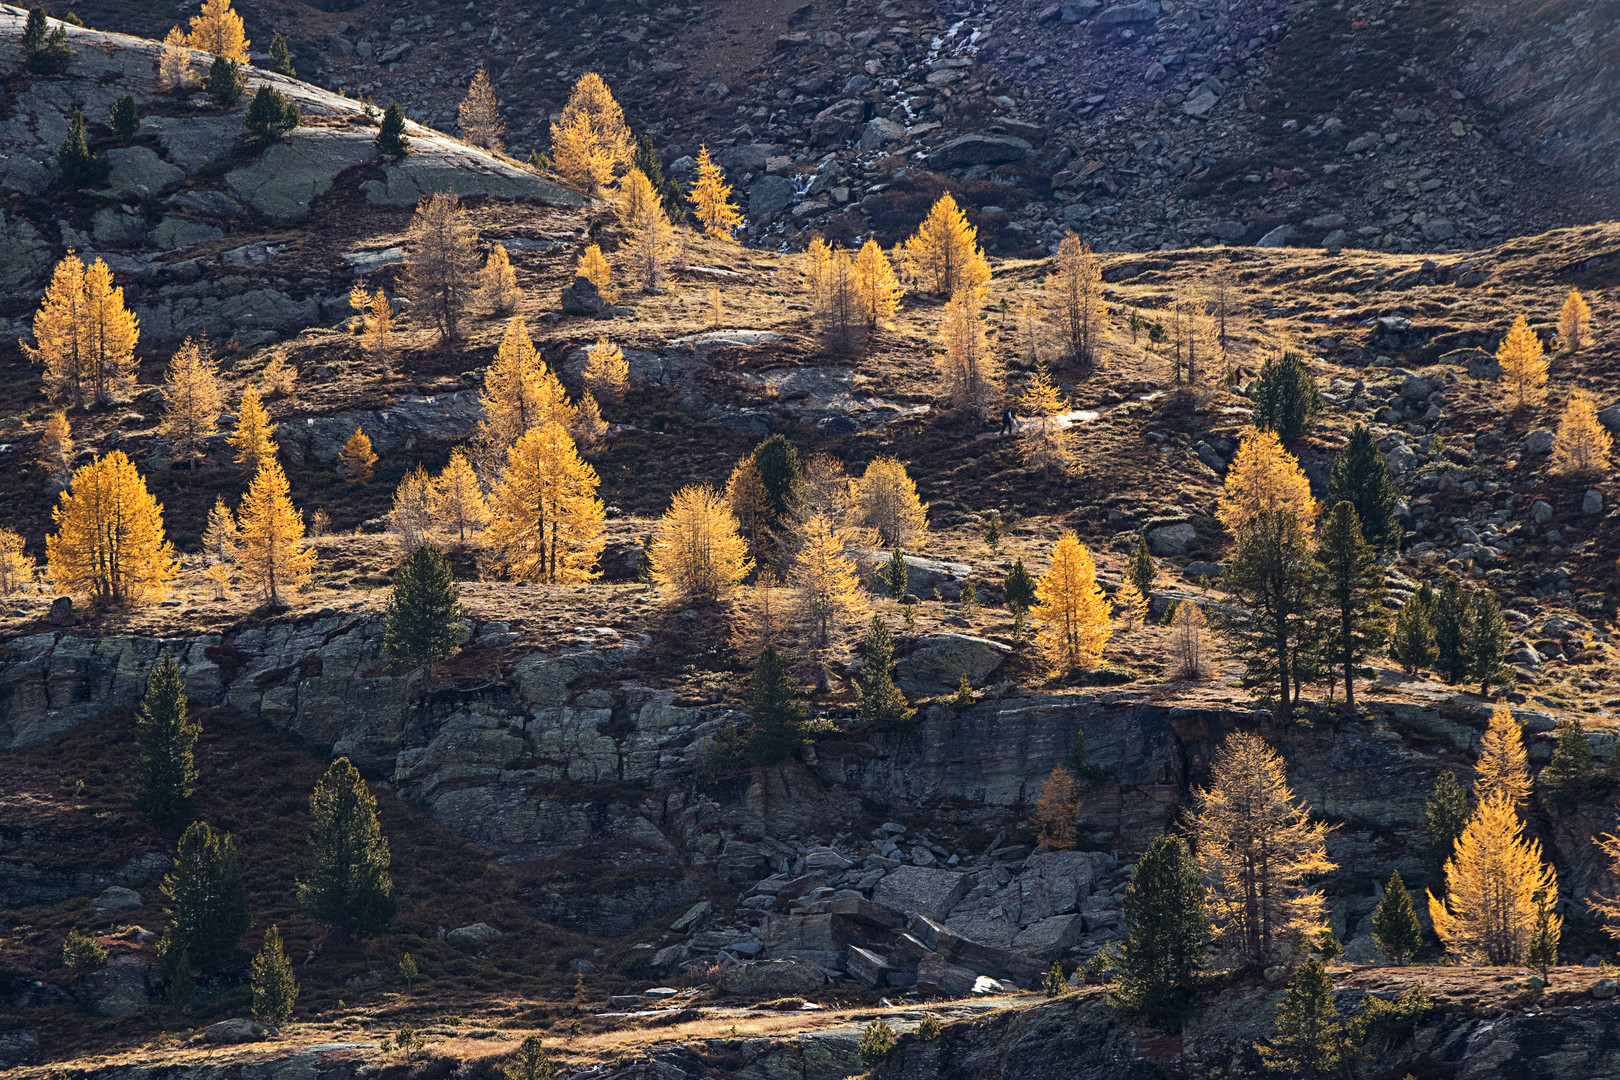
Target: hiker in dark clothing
(1009,423)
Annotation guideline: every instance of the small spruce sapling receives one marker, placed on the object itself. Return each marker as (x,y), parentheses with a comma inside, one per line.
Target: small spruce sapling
(1395,922)
(125,119)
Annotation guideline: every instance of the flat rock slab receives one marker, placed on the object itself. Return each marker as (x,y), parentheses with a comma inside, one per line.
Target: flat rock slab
(921,890)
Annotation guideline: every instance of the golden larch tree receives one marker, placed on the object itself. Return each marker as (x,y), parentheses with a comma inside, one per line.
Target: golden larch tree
(520,391)
(944,255)
(441,261)
(55,443)
(109,543)
(411,518)
(497,289)
(1257,850)
(1070,609)
(192,402)
(377,326)
(272,555)
(1075,293)
(1189,639)
(607,374)
(1575,322)
(357,458)
(113,331)
(1524,364)
(480,114)
(594,268)
(1607,908)
(697,552)
(1130,605)
(750,505)
(174,62)
(1496,887)
(546,519)
(1503,766)
(711,199)
(458,499)
(970,375)
(886,500)
(1047,442)
(651,246)
(218,30)
(1582,445)
(761,617)
(836,310)
(254,435)
(589,140)
(1264,476)
(879,290)
(62,336)
(589,428)
(1057,811)
(277,378)
(220,541)
(17,569)
(826,489)
(827,591)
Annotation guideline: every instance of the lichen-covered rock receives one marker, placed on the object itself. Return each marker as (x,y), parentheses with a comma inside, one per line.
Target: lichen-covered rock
(938,663)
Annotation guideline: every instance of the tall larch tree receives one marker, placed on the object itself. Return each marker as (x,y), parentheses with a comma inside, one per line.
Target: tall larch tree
(1496,887)
(520,392)
(828,595)
(357,458)
(651,246)
(711,199)
(878,288)
(1075,294)
(411,517)
(174,62)
(594,268)
(218,30)
(113,331)
(1263,476)
(458,499)
(547,520)
(348,884)
(697,552)
(272,556)
(1350,596)
(62,336)
(1258,849)
(971,380)
(944,255)
(835,304)
(1070,609)
(1524,365)
(220,541)
(1361,476)
(168,737)
(590,143)
(1604,906)
(109,544)
(1575,322)
(480,114)
(607,374)
(497,289)
(1582,444)
(1046,441)
(1270,576)
(377,326)
(441,261)
(253,437)
(1503,767)
(17,569)
(886,500)
(192,402)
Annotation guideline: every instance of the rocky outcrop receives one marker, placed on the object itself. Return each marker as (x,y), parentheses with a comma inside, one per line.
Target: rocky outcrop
(443,417)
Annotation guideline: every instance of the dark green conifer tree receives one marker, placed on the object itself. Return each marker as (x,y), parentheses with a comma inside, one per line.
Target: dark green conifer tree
(1485,640)
(45,48)
(180,985)
(274,989)
(1285,397)
(391,141)
(1353,622)
(776,715)
(780,471)
(1141,570)
(1570,778)
(1412,643)
(207,899)
(1018,588)
(1395,922)
(882,706)
(895,574)
(529,1061)
(1311,1040)
(270,115)
(225,81)
(1361,477)
(1543,951)
(168,738)
(80,168)
(281,57)
(347,885)
(125,118)
(1272,576)
(423,620)
(1447,814)
(1451,617)
(1166,948)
